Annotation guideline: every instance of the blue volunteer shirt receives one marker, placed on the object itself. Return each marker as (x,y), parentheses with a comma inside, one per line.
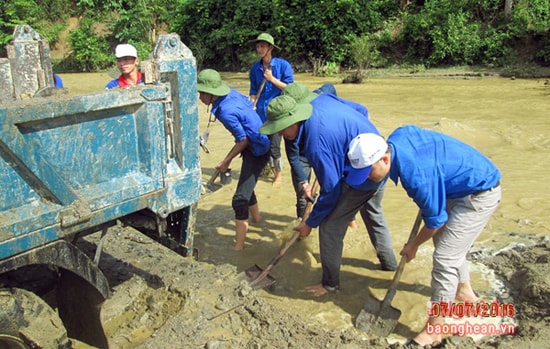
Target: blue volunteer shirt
(235,112)
(433,167)
(280,69)
(325,137)
(295,151)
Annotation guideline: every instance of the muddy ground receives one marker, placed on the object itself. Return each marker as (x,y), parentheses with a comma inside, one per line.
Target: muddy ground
(162,300)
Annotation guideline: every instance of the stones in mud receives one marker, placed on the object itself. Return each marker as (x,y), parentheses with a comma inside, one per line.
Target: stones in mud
(543,259)
(213,344)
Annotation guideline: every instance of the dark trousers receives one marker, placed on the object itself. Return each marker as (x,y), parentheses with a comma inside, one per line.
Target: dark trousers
(251,168)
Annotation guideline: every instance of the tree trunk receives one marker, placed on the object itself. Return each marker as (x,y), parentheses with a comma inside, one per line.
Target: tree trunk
(508,8)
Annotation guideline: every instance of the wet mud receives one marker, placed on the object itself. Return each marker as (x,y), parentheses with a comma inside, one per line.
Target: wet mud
(162,300)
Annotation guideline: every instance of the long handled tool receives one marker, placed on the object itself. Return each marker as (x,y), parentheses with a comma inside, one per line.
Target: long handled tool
(262,85)
(379,317)
(259,278)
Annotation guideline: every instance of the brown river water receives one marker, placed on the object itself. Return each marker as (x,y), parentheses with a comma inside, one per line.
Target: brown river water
(506,119)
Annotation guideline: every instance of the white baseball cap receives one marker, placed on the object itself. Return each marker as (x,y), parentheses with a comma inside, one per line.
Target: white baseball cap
(125,50)
(364,150)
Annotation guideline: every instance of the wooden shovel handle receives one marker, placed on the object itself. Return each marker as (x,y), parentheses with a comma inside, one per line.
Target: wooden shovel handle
(262,85)
(217,172)
(288,243)
(296,234)
(309,205)
(401,267)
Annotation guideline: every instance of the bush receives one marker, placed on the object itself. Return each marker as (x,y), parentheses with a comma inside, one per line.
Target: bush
(90,52)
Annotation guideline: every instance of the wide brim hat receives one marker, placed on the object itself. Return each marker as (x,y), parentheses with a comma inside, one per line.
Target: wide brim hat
(364,151)
(265,37)
(299,92)
(282,112)
(210,81)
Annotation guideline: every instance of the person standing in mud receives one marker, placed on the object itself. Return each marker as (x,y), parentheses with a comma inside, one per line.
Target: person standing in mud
(268,77)
(127,62)
(324,128)
(457,190)
(234,110)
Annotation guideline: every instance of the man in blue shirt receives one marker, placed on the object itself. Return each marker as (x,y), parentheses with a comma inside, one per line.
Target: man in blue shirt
(457,190)
(300,169)
(323,128)
(234,110)
(57,81)
(268,77)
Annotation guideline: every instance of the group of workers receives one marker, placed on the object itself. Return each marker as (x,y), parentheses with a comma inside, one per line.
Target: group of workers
(456,188)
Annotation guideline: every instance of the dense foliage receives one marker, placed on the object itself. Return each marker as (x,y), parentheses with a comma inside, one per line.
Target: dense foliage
(310,33)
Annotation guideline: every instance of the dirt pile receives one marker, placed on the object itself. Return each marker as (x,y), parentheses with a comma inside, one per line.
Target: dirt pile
(162,300)
(525,270)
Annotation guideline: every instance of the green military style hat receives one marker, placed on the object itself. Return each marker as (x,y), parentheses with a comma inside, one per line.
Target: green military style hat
(299,92)
(282,112)
(210,81)
(267,38)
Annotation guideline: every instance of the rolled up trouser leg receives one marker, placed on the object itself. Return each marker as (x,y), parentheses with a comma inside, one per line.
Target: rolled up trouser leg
(250,172)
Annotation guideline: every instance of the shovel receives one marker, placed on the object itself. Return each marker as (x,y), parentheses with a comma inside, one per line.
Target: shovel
(379,317)
(259,278)
(203,140)
(211,185)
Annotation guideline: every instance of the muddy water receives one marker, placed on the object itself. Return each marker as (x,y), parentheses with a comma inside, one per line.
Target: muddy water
(505,119)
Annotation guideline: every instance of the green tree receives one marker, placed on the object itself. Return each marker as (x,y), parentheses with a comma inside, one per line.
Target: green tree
(90,51)
(47,17)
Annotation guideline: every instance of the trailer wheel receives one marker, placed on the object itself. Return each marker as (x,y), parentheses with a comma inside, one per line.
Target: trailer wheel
(27,321)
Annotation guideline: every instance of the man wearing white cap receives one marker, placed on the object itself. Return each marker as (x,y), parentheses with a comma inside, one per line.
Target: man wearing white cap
(127,63)
(457,190)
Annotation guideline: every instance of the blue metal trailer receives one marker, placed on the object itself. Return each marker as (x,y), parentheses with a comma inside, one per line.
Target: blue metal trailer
(75,165)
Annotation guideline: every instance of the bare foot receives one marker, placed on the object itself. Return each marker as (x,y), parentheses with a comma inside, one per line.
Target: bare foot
(465,292)
(426,339)
(318,290)
(352,224)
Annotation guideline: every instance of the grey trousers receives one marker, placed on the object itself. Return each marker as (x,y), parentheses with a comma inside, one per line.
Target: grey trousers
(332,231)
(467,218)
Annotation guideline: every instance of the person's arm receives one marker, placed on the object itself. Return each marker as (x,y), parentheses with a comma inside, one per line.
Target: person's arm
(254,85)
(427,189)
(268,74)
(283,75)
(293,154)
(237,149)
(424,235)
(328,171)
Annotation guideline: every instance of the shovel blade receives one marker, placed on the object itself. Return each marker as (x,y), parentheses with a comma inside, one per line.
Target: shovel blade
(253,273)
(212,187)
(377,318)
